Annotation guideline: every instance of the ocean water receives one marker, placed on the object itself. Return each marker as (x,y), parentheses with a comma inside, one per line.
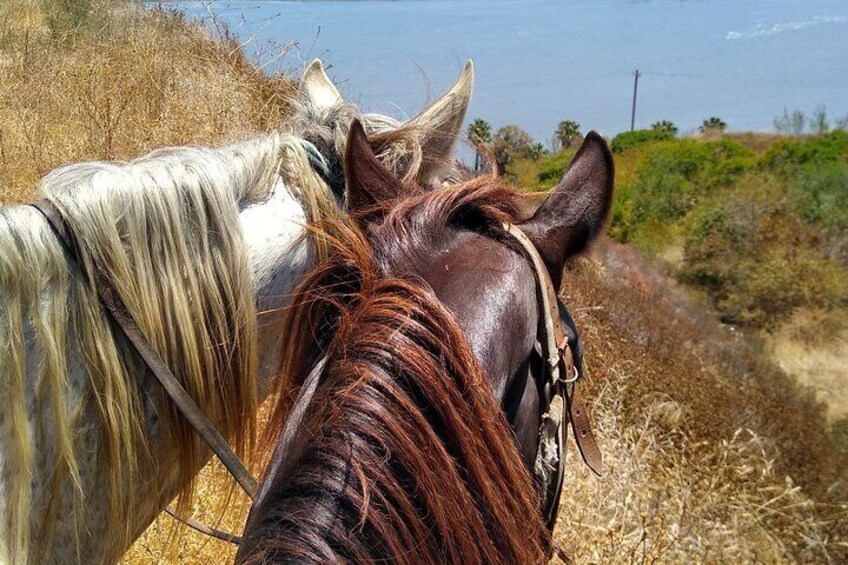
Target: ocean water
(542,61)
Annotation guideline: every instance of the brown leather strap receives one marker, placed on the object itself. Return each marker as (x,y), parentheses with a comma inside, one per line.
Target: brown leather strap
(558,357)
(552,323)
(131,330)
(579,418)
(203,528)
(583,436)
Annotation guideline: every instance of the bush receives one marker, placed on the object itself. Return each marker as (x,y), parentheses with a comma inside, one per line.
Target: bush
(771,287)
(675,175)
(824,194)
(788,155)
(762,221)
(629,139)
(757,259)
(553,167)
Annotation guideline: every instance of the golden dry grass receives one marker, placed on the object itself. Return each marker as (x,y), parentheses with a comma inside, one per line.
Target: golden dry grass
(821,364)
(712,454)
(121,83)
(136,81)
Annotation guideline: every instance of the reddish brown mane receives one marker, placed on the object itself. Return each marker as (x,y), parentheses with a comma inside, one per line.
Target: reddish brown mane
(404,454)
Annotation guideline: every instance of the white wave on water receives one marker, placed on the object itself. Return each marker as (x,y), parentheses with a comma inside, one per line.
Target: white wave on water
(761,30)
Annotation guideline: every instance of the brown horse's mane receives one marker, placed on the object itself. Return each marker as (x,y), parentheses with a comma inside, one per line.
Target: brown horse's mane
(404,454)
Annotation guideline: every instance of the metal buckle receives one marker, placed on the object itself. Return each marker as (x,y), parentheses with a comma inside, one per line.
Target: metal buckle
(573,378)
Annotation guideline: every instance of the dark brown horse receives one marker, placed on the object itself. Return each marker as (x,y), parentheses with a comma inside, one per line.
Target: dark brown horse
(418,337)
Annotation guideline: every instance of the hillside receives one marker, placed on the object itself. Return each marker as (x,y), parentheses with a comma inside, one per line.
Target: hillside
(93,79)
(712,453)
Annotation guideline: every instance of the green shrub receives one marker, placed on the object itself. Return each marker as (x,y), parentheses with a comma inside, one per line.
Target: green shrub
(622,214)
(788,155)
(675,175)
(629,139)
(756,258)
(823,194)
(553,166)
(763,233)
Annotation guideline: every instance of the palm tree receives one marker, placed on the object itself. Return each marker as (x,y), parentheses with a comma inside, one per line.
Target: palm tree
(713,124)
(567,132)
(480,135)
(537,150)
(666,126)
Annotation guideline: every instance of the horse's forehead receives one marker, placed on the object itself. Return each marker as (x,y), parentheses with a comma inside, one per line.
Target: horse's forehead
(490,289)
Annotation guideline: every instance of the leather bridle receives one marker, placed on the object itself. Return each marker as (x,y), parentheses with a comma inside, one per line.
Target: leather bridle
(558,386)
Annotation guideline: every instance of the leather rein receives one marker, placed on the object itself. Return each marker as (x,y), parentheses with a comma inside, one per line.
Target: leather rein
(561,405)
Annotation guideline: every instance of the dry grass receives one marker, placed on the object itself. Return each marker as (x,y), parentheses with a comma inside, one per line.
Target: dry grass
(712,454)
(818,361)
(167,541)
(117,88)
(115,83)
(667,498)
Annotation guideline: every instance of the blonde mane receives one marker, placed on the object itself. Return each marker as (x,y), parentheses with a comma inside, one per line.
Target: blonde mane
(165,229)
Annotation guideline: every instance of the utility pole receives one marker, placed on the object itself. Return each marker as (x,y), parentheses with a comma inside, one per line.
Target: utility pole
(636,75)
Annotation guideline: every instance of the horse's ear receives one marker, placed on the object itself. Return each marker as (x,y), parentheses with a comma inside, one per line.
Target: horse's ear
(575,212)
(316,89)
(440,124)
(367,181)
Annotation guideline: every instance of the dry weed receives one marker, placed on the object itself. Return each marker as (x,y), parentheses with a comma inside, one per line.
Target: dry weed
(712,454)
(141,80)
(667,498)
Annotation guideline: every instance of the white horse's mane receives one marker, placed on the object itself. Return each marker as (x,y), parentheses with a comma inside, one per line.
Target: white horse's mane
(165,227)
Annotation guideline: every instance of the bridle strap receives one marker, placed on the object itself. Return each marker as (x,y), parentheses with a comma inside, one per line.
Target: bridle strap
(115,307)
(559,401)
(203,528)
(293,421)
(555,337)
(587,445)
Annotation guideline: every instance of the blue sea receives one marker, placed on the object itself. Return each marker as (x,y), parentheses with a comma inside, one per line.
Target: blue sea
(542,61)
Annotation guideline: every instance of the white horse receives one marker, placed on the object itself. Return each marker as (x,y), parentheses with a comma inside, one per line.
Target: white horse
(204,246)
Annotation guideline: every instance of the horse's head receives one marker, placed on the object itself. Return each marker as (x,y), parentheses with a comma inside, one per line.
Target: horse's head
(273,224)
(418,150)
(453,240)
(395,447)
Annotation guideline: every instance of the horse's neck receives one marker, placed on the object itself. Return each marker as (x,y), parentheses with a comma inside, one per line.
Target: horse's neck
(280,256)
